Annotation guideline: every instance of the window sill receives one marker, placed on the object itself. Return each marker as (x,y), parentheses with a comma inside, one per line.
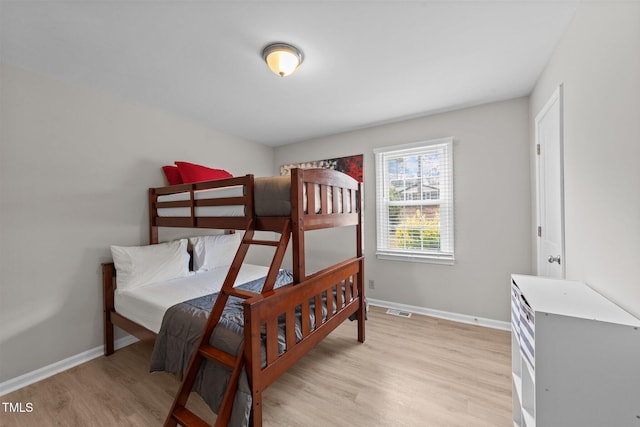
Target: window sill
(429,259)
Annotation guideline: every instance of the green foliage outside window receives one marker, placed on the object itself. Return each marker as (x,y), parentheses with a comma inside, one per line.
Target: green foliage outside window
(419,232)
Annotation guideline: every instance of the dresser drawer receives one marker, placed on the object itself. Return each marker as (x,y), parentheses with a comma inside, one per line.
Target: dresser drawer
(527,332)
(515,310)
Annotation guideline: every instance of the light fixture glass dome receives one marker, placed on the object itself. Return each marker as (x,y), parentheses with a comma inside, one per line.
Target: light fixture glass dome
(283,59)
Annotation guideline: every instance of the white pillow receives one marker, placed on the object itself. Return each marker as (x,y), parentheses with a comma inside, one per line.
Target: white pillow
(140,265)
(214,251)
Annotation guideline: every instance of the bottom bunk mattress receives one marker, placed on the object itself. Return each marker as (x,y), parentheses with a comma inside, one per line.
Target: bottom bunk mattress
(180,333)
(147,305)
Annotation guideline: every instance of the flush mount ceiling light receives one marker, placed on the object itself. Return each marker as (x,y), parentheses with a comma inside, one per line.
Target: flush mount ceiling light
(282,58)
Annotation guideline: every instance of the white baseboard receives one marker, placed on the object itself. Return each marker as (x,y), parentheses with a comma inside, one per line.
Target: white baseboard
(456,317)
(55,368)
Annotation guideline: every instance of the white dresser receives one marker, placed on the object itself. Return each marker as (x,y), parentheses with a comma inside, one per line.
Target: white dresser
(575,356)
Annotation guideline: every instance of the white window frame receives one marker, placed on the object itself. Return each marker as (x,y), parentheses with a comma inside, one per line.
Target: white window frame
(445,255)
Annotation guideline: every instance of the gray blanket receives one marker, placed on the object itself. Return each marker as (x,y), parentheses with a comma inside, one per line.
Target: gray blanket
(179,334)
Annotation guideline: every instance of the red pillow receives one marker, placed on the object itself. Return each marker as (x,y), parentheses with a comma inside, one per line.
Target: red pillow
(172,174)
(191,172)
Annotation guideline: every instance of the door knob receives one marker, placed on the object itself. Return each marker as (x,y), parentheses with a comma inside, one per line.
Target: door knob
(553,259)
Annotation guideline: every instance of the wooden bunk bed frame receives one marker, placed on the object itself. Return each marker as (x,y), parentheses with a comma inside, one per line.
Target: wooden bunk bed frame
(341,201)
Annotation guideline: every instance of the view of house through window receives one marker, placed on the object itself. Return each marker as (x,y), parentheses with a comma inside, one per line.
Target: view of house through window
(414,195)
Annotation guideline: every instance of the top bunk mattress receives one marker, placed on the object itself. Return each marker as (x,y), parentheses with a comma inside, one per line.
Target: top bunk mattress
(272,197)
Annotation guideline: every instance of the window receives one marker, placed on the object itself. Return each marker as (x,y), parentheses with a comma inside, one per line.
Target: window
(414,201)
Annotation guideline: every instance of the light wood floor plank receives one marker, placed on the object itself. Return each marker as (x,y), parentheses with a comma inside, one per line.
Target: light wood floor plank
(420,371)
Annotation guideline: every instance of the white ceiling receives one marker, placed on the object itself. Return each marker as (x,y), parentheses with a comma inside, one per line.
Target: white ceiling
(366,62)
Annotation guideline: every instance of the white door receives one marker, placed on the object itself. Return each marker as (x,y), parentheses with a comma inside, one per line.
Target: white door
(550,188)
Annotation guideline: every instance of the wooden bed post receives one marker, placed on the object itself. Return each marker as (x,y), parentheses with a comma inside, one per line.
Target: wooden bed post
(108,271)
(153,228)
(359,227)
(252,364)
(297,224)
(360,253)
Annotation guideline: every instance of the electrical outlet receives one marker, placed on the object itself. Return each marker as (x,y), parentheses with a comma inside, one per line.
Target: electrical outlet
(372,284)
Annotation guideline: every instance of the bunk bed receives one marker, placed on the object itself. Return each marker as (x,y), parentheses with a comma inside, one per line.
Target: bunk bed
(284,314)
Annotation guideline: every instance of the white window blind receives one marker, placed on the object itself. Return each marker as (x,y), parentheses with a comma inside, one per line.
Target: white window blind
(414,201)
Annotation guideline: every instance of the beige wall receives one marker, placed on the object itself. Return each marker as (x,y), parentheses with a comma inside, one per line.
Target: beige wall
(598,64)
(492,208)
(74,169)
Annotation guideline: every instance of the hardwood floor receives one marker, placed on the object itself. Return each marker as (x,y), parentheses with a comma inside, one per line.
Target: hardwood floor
(420,371)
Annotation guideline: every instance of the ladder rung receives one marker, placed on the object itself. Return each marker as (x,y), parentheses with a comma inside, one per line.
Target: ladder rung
(222,357)
(262,242)
(187,418)
(240,293)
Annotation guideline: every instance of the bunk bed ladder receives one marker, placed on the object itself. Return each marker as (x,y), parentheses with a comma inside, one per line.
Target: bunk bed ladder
(179,414)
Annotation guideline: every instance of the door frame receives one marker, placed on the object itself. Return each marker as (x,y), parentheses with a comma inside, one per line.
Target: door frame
(557,96)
